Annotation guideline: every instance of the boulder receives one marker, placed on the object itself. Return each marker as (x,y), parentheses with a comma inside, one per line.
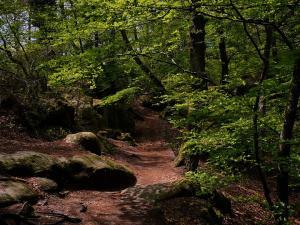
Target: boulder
(12,192)
(117,117)
(88,171)
(189,210)
(44,184)
(27,163)
(117,135)
(109,133)
(50,113)
(128,138)
(185,188)
(221,202)
(60,114)
(92,171)
(87,140)
(88,119)
(107,147)
(181,188)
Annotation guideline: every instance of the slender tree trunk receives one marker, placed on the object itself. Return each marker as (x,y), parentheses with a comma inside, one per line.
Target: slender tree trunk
(29,27)
(275,51)
(76,26)
(285,136)
(266,65)
(224,60)
(96,39)
(197,45)
(259,104)
(141,64)
(135,33)
(265,59)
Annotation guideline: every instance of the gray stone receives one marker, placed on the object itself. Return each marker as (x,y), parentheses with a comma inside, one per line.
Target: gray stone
(27,163)
(87,140)
(12,192)
(45,184)
(85,170)
(92,171)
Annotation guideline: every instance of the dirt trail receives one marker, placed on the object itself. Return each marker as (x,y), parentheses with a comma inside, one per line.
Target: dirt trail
(152,162)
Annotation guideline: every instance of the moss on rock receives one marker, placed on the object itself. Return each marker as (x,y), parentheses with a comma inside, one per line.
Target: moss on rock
(180,159)
(14,191)
(86,171)
(27,163)
(189,210)
(87,140)
(92,171)
(44,184)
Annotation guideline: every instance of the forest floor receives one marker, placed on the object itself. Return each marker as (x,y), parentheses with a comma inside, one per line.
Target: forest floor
(151,160)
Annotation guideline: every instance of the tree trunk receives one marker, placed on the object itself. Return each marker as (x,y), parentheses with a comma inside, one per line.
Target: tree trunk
(197,45)
(266,65)
(275,51)
(141,64)
(96,39)
(224,60)
(260,105)
(285,136)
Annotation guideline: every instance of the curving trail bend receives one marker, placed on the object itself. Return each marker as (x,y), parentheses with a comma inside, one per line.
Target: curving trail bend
(151,161)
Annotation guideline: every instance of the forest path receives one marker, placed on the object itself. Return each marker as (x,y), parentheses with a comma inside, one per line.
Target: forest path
(152,163)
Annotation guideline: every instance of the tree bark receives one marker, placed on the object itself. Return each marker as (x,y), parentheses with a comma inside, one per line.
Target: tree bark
(142,65)
(266,65)
(224,60)
(96,39)
(259,105)
(197,45)
(285,136)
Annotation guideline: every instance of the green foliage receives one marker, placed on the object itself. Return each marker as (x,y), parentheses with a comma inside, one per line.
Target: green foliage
(206,182)
(78,44)
(55,133)
(75,69)
(279,211)
(125,96)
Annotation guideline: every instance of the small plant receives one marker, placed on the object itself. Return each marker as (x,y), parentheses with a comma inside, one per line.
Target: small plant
(124,96)
(55,133)
(206,182)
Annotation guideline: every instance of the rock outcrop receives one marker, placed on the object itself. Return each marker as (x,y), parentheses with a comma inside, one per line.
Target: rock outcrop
(86,140)
(29,163)
(44,184)
(92,171)
(87,171)
(14,192)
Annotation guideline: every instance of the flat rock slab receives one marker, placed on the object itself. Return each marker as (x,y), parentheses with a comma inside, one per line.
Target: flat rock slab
(14,192)
(85,171)
(44,184)
(29,163)
(92,171)
(189,210)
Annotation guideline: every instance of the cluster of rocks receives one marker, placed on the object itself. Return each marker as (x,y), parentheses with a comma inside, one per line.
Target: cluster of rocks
(50,173)
(178,203)
(52,114)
